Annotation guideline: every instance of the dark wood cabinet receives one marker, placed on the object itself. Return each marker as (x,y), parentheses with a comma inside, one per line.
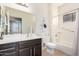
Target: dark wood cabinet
(22,48)
(24,52)
(30,48)
(37,50)
(8,49)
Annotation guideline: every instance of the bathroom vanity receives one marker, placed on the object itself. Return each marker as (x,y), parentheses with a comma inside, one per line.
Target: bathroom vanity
(14,25)
(30,47)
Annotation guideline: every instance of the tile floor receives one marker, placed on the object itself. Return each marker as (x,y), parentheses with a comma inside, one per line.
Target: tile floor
(56,53)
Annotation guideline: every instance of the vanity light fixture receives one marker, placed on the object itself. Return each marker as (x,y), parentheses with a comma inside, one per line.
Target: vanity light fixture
(23,4)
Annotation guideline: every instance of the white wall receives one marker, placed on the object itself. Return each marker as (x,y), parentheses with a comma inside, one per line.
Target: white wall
(40,10)
(53,15)
(51,12)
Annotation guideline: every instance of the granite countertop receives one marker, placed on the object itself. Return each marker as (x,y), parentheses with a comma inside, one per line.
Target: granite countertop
(17,37)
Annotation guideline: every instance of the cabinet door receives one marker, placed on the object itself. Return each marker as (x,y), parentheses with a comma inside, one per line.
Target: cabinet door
(8,49)
(24,52)
(37,50)
(7,52)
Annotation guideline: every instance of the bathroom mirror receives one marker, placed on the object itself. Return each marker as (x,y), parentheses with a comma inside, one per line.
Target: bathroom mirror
(18,22)
(0,16)
(25,22)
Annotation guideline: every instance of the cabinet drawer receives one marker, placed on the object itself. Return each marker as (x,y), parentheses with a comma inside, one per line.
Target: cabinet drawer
(8,50)
(6,46)
(9,54)
(29,43)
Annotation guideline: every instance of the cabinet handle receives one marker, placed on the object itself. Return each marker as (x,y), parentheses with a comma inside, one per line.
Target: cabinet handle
(34,51)
(30,52)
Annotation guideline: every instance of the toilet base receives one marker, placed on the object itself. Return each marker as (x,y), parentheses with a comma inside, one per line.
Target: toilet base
(50,50)
(50,47)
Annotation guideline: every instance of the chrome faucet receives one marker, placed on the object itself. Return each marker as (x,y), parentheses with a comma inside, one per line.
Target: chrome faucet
(1,35)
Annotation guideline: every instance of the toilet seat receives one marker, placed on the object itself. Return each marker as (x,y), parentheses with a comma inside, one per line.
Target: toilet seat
(51,45)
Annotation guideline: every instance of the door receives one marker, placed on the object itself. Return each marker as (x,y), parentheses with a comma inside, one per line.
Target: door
(67,29)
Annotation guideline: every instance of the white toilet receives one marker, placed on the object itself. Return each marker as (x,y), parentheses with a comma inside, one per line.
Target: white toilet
(50,46)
